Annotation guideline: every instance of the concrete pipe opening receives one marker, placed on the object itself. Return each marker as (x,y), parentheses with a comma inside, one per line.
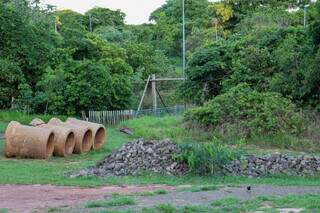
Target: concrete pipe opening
(70,143)
(98,131)
(50,145)
(87,141)
(99,138)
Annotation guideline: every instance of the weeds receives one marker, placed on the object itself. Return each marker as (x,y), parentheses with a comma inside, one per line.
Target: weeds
(114,201)
(206,159)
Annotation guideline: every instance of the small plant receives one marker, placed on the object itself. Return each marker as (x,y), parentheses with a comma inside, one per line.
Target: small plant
(200,188)
(206,159)
(115,201)
(166,208)
(150,193)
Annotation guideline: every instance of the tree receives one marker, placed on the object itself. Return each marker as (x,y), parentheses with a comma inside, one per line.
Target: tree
(71,20)
(206,71)
(115,34)
(168,20)
(102,17)
(10,78)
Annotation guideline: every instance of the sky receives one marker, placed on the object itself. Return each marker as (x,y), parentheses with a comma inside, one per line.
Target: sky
(137,11)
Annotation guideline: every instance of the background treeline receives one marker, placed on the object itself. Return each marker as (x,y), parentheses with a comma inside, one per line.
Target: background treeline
(50,61)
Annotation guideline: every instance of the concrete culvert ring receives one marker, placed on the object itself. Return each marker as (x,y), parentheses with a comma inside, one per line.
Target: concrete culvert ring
(50,145)
(87,141)
(70,143)
(99,138)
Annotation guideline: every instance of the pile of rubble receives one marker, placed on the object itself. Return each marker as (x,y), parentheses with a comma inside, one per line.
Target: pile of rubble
(137,156)
(254,166)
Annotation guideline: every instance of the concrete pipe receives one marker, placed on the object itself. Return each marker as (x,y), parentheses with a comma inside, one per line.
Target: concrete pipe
(82,135)
(28,142)
(98,131)
(64,141)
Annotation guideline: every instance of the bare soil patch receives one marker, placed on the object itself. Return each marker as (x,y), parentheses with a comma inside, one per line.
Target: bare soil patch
(26,199)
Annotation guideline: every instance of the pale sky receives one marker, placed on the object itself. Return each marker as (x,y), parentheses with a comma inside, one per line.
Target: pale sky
(137,11)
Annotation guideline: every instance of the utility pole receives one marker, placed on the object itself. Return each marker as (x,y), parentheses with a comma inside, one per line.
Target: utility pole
(305,15)
(183,39)
(154,93)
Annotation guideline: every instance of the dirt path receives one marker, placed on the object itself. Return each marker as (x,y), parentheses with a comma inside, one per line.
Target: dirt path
(28,198)
(204,198)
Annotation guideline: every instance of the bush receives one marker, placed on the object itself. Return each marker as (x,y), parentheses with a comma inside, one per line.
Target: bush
(250,111)
(206,159)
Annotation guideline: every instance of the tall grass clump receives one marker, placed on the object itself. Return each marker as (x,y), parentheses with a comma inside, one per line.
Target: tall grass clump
(207,158)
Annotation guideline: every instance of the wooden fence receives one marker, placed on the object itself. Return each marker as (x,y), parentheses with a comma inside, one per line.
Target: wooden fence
(117,116)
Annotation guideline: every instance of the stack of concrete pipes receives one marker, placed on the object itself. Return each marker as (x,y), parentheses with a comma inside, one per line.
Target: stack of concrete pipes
(56,138)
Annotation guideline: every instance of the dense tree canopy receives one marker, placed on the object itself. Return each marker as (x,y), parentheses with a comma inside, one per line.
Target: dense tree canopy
(51,61)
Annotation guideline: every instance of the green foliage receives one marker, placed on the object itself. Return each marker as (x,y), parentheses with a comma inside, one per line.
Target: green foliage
(114,201)
(68,19)
(207,69)
(10,79)
(168,22)
(254,112)
(115,34)
(206,159)
(105,17)
(23,118)
(145,60)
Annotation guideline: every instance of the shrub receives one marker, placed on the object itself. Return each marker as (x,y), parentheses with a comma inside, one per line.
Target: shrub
(251,111)
(206,159)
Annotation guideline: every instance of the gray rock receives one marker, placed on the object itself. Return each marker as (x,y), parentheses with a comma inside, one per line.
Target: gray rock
(136,156)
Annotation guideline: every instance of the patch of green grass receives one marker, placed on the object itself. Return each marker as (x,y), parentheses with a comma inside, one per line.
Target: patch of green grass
(114,201)
(57,209)
(3,126)
(201,188)
(308,203)
(166,208)
(2,210)
(165,127)
(151,193)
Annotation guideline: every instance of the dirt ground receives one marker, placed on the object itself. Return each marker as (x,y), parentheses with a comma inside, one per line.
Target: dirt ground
(29,198)
(40,197)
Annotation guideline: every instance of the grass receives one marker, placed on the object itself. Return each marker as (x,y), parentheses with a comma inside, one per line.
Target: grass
(55,170)
(307,203)
(200,188)
(165,127)
(150,193)
(114,201)
(310,203)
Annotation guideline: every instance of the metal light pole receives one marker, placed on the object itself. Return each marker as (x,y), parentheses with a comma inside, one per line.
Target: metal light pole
(183,39)
(305,15)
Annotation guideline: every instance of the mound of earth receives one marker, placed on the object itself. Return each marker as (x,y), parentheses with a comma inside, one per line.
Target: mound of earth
(136,156)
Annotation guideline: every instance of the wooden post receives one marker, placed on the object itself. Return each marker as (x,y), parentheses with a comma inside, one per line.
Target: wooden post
(143,95)
(154,93)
